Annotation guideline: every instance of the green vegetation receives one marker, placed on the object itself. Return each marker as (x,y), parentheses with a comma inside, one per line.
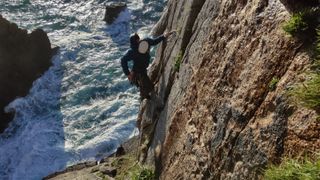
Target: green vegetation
(318,45)
(124,165)
(273,83)
(291,169)
(303,24)
(316,63)
(318,40)
(129,168)
(308,93)
(143,174)
(178,61)
(296,24)
(101,175)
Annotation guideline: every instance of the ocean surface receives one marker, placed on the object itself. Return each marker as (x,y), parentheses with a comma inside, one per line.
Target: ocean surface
(83,107)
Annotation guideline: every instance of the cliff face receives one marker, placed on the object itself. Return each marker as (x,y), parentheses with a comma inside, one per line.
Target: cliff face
(23,58)
(217,118)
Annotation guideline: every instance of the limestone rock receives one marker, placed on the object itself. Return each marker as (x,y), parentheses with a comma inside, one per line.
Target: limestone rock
(113,10)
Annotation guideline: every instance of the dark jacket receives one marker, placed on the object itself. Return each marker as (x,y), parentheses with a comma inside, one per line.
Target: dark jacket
(140,61)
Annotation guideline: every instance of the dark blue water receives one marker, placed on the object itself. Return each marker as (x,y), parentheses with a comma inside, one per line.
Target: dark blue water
(83,107)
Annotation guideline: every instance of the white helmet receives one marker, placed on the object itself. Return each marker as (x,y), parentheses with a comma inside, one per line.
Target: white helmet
(143,47)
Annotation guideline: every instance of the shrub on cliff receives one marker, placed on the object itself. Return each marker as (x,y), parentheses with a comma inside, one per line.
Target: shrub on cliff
(303,24)
(318,44)
(273,83)
(143,174)
(316,63)
(291,169)
(296,24)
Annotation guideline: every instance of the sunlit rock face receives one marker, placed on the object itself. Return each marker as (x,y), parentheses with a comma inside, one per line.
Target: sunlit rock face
(216,117)
(23,58)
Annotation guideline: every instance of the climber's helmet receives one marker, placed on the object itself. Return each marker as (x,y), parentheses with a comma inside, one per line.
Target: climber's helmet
(134,41)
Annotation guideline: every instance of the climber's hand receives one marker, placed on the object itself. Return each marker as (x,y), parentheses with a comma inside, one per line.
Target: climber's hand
(167,34)
(130,76)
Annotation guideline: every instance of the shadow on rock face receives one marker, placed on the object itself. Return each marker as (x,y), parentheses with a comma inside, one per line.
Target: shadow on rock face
(298,5)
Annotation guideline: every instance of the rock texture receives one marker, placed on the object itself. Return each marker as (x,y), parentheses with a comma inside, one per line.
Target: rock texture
(23,58)
(217,118)
(113,10)
(115,166)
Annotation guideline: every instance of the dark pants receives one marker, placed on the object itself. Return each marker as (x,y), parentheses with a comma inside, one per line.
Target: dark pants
(143,82)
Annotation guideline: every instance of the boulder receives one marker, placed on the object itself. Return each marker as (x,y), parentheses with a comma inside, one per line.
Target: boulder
(110,171)
(120,152)
(23,58)
(113,10)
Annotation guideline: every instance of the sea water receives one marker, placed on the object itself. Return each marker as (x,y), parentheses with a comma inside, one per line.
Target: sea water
(83,107)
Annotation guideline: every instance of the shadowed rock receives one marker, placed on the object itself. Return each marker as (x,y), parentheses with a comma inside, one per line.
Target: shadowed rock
(113,10)
(120,152)
(298,5)
(110,171)
(23,58)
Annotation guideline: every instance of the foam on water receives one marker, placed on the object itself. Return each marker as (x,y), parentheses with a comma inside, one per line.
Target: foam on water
(82,108)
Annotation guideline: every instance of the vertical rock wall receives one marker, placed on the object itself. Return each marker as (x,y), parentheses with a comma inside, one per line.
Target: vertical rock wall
(217,118)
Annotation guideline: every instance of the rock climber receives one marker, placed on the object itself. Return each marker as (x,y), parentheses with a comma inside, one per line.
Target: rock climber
(139,53)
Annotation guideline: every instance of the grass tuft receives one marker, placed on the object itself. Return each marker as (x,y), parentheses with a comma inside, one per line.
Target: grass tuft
(129,168)
(296,24)
(318,43)
(178,61)
(143,174)
(303,24)
(308,93)
(291,169)
(273,83)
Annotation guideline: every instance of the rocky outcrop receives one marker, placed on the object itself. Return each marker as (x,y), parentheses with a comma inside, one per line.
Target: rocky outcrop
(113,10)
(120,165)
(217,118)
(23,58)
